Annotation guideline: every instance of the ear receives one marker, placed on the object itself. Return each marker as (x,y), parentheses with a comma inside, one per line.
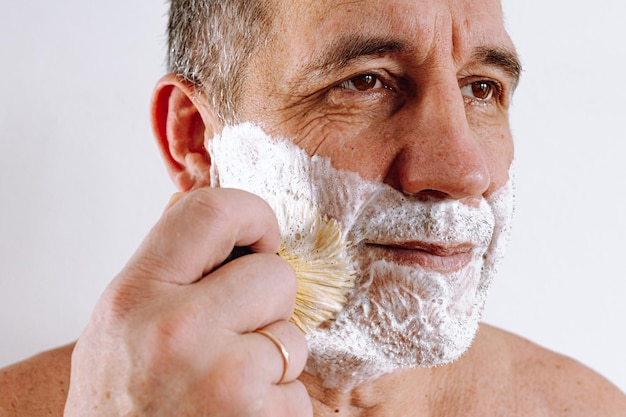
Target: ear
(182,120)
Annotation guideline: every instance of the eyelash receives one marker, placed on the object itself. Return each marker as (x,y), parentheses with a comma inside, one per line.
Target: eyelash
(377,80)
(495,92)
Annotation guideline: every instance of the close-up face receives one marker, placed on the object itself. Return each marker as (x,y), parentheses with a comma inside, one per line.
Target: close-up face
(408,101)
(412,98)
(411,93)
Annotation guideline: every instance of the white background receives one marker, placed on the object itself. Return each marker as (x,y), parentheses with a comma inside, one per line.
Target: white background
(81,181)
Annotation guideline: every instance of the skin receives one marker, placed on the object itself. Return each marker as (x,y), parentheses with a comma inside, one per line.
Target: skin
(172,335)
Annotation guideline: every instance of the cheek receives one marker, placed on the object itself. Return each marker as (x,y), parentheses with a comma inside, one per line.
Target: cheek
(354,139)
(497,144)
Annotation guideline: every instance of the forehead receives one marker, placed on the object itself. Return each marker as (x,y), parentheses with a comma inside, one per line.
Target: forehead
(454,27)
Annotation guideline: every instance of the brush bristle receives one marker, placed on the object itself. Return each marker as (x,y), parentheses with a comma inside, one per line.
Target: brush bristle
(318,253)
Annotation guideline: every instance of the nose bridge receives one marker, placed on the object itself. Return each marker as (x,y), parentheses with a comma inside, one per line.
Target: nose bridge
(440,154)
(441,109)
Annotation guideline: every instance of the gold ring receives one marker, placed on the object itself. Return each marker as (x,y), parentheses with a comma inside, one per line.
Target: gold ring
(281,348)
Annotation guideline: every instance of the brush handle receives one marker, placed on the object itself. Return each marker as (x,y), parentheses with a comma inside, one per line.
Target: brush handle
(237,252)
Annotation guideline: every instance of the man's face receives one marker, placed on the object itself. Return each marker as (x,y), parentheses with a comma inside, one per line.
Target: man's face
(412,96)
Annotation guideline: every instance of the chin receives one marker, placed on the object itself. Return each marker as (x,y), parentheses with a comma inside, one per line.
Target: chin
(400,317)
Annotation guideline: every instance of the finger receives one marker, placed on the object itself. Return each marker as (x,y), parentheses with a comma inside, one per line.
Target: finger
(248,293)
(290,400)
(284,348)
(198,232)
(242,394)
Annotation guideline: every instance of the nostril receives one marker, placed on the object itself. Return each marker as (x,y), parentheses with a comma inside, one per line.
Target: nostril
(428,195)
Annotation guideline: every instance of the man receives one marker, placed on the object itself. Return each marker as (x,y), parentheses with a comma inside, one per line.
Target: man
(411,99)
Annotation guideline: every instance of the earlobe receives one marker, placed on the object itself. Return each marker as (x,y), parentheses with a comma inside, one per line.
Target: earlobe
(181,120)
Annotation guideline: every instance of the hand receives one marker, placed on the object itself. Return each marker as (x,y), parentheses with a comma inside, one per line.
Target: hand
(174,333)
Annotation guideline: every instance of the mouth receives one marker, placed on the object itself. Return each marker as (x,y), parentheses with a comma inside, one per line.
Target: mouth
(436,257)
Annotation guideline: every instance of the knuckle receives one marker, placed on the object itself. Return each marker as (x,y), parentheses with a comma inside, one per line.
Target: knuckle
(119,301)
(171,333)
(165,345)
(208,205)
(179,326)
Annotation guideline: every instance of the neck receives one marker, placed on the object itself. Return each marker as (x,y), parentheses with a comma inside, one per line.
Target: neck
(420,391)
(414,392)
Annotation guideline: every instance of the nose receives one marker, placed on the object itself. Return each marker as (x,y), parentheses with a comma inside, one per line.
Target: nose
(439,156)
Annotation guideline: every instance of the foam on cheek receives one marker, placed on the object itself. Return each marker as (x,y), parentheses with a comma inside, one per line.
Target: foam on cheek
(245,157)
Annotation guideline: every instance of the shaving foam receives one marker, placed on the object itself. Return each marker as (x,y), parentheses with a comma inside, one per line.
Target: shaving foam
(397,315)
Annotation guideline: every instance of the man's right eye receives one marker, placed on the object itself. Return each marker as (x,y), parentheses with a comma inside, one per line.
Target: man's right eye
(364,82)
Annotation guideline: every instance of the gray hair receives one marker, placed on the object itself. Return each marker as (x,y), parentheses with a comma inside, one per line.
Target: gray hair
(210,43)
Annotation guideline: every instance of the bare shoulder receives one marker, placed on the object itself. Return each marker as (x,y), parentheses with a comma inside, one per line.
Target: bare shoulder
(36,386)
(551,382)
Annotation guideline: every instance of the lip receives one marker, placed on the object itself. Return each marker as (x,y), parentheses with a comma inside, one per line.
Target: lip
(435,257)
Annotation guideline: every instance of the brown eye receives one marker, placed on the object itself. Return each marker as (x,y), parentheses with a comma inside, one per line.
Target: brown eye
(482,90)
(479,90)
(363,82)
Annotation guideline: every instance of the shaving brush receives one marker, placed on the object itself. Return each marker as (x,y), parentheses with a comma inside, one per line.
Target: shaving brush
(245,157)
(317,251)
(312,243)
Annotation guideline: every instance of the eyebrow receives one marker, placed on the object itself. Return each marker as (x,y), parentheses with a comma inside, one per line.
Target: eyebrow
(345,49)
(503,58)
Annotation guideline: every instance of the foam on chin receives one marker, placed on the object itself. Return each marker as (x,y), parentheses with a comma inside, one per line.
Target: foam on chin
(402,316)
(398,315)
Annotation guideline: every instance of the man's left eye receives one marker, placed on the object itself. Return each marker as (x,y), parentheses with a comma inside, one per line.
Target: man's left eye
(363,82)
(479,90)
